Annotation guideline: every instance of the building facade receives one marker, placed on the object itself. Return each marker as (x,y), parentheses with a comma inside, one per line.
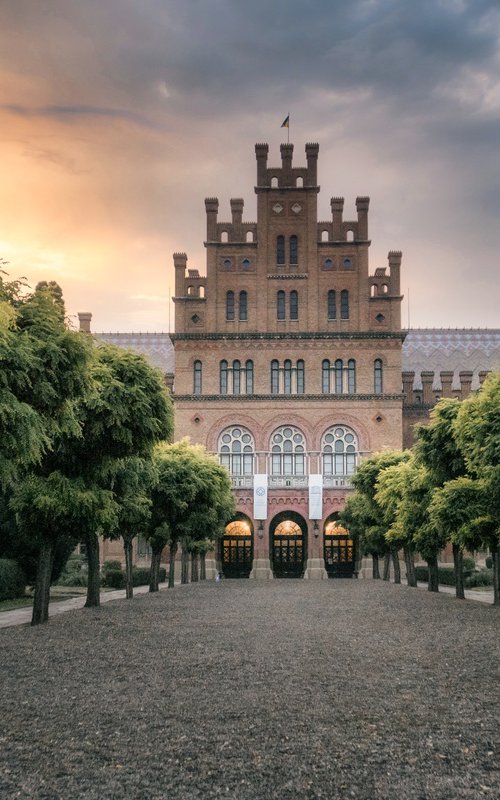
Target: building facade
(289,363)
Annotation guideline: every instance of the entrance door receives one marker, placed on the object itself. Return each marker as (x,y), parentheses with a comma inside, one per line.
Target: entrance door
(339,552)
(288,550)
(237,550)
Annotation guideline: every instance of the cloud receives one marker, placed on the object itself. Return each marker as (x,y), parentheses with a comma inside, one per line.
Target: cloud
(69,113)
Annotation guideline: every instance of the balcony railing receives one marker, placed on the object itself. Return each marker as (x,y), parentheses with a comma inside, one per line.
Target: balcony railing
(288,481)
(242,481)
(334,481)
(292,481)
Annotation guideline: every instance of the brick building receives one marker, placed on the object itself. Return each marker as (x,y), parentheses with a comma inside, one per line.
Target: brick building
(291,365)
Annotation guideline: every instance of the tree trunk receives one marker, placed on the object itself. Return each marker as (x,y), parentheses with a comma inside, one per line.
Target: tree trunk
(194,568)
(171,565)
(129,589)
(458,563)
(42,584)
(432,565)
(94,578)
(375,569)
(203,567)
(184,565)
(387,566)
(395,564)
(154,572)
(411,575)
(495,557)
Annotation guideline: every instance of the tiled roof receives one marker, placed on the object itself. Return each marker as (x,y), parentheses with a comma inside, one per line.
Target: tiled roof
(157,347)
(431,349)
(458,349)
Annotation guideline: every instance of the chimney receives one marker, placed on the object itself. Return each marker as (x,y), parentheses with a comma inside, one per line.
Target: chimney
(84,318)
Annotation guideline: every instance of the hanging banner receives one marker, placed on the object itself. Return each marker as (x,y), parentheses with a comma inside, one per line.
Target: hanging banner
(260,496)
(315,496)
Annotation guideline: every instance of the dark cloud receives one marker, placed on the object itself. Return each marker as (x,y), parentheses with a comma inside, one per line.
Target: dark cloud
(66,113)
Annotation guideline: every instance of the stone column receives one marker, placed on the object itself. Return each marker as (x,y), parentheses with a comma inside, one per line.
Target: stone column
(315,567)
(465,382)
(84,318)
(427,395)
(446,383)
(261,568)
(408,378)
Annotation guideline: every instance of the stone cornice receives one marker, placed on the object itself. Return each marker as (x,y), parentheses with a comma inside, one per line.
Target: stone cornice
(284,398)
(278,276)
(292,335)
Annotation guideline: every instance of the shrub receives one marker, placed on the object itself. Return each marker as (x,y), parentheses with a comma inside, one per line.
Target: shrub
(75,572)
(446,575)
(483,577)
(469,565)
(112,575)
(140,575)
(489,562)
(12,579)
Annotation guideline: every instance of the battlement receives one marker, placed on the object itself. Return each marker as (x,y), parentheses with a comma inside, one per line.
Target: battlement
(229,232)
(287,176)
(425,388)
(387,285)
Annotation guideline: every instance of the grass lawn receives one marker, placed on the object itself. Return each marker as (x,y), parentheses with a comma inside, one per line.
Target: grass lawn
(56,593)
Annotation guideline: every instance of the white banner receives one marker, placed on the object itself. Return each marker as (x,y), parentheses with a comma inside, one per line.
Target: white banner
(260,496)
(315,496)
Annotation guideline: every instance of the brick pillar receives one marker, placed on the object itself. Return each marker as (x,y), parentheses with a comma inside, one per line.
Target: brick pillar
(312,151)
(237,214)
(394,258)
(337,206)
(427,395)
(211,207)
(483,375)
(465,382)
(446,383)
(84,318)
(362,204)
(408,378)
(261,151)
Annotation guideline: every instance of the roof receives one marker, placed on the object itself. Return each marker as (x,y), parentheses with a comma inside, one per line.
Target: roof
(425,349)
(157,347)
(451,349)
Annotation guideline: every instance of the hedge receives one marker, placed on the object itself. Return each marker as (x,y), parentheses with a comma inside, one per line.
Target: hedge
(114,577)
(12,579)
(446,576)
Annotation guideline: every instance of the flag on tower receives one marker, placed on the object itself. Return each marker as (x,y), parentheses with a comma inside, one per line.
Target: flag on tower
(286,122)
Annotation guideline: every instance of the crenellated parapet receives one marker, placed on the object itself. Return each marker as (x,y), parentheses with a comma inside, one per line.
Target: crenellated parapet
(340,230)
(232,232)
(387,284)
(425,388)
(287,176)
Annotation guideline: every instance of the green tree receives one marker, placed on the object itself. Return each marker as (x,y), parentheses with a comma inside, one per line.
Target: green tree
(365,481)
(437,449)
(393,496)
(193,495)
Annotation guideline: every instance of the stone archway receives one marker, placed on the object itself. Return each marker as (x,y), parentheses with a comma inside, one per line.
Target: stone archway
(339,549)
(288,545)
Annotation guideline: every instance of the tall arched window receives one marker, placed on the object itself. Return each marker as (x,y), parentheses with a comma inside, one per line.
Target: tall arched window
(249,377)
(223,377)
(236,377)
(275,377)
(294,304)
(243,306)
(294,250)
(344,304)
(280,250)
(287,376)
(280,304)
(339,369)
(287,451)
(236,450)
(230,305)
(325,377)
(332,304)
(339,448)
(351,376)
(197,377)
(300,377)
(378,376)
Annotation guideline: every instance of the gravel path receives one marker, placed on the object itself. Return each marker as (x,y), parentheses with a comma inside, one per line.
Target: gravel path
(287,689)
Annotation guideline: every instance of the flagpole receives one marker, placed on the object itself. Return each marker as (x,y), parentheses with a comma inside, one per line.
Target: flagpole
(288,130)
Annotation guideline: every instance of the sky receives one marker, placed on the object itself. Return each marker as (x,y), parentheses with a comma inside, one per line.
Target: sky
(118,117)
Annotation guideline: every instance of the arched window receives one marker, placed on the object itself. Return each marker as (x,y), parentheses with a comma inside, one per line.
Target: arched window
(294,304)
(223,377)
(324,236)
(328,263)
(378,376)
(300,377)
(245,263)
(294,250)
(332,304)
(339,448)
(236,377)
(288,451)
(243,306)
(280,304)
(385,288)
(227,263)
(344,304)
(230,305)
(249,236)
(275,377)
(236,450)
(197,377)
(287,376)
(299,183)
(339,369)
(350,236)
(347,263)
(224,237)
(274,182)
(280,250)
(351,376)
(373,290)
(249,377)
(325,377)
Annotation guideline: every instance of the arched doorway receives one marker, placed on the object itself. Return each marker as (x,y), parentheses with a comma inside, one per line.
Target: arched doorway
(288,532)
(339,549)
(237,549)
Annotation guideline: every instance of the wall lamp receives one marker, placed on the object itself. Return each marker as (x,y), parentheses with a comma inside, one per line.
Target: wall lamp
(261,529)
(316,529)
